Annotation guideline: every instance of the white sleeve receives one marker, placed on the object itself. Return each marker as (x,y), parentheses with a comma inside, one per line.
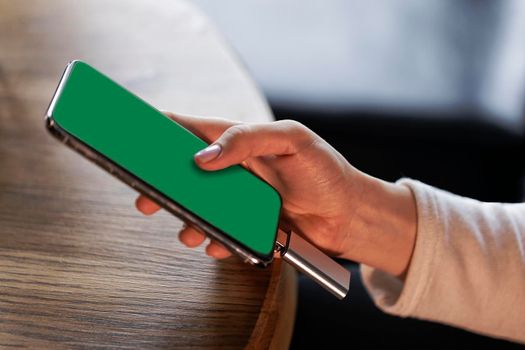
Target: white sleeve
(467,268)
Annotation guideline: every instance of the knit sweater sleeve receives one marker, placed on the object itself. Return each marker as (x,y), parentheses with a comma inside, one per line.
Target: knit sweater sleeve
(467,268)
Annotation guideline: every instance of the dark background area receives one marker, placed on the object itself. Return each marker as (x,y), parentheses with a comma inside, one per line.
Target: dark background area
(430,90)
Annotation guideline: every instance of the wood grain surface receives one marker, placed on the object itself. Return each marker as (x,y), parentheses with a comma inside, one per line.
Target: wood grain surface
(79,267)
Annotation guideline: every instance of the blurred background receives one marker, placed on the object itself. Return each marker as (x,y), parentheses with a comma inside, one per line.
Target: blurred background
(432,90)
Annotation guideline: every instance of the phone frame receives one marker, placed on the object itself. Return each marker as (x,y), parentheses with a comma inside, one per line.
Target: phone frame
(246,254)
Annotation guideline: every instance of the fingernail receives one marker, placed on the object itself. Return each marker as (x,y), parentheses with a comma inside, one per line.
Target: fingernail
(208,154)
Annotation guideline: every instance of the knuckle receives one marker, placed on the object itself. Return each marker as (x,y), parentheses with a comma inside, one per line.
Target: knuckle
(236,132)
(296,127)
(292,124)
(301,135)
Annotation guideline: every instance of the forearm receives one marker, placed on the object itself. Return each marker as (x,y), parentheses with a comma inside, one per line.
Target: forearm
(383,230)
(467,267)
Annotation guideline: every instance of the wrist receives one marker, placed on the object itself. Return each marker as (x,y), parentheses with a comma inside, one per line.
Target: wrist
(383,228)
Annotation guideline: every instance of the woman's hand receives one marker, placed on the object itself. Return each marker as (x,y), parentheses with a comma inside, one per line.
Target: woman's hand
(341,210)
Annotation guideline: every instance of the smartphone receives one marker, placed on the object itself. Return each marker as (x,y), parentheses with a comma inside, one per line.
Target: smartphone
(153,154)
(138,144)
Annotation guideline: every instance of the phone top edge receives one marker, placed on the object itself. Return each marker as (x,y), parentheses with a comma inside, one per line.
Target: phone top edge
(60,87)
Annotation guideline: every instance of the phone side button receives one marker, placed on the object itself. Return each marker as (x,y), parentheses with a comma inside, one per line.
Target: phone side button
(249,261)
(245,258)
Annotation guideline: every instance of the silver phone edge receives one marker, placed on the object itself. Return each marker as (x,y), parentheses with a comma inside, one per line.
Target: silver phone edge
(315,264)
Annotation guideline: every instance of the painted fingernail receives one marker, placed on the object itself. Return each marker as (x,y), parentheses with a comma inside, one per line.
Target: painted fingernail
(208,154)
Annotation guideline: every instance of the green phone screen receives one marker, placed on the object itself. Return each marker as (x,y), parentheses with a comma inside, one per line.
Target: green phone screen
(143,141)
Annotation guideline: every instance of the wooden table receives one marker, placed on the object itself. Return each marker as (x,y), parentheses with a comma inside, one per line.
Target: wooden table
(79,267)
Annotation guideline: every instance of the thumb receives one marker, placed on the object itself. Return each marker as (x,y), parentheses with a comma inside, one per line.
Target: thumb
(243,141)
